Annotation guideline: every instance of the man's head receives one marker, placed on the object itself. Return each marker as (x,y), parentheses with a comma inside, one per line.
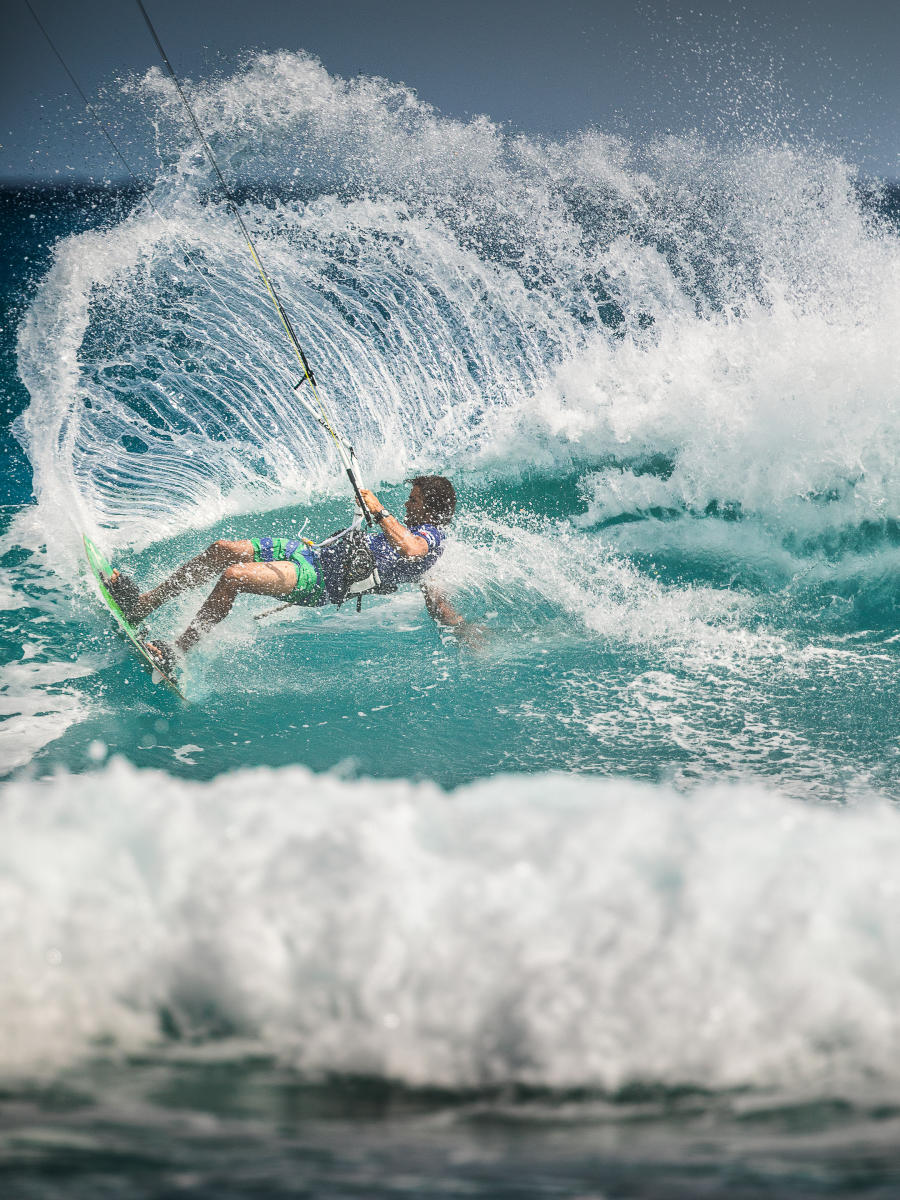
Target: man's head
(432,501)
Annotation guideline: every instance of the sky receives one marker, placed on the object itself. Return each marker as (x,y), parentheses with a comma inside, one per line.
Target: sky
(805,69)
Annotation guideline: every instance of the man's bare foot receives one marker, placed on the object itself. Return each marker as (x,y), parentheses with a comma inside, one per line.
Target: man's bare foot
(127,595)
(164,655)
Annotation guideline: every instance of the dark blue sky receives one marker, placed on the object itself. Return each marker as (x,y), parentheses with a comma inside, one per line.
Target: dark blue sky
(807,67)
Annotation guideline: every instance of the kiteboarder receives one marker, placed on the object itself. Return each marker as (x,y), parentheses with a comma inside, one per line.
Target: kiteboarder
(307,574)
(350,563)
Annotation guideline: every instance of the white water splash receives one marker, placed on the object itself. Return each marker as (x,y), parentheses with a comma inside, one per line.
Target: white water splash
(459,289)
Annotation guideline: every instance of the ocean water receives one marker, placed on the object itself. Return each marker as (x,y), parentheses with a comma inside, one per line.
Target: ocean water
(607,907)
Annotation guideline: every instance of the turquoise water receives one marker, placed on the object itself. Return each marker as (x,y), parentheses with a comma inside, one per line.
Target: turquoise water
(634,858)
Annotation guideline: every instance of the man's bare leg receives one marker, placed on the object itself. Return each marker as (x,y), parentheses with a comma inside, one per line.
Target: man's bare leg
(211,561)
(259,579)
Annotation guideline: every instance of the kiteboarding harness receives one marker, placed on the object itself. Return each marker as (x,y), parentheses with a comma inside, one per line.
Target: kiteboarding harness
(359,570)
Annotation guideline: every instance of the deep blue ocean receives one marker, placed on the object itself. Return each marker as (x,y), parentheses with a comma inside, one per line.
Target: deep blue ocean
(607,907)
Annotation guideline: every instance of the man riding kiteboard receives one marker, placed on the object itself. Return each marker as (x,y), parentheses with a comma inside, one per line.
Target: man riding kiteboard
(308,575)
(347,564)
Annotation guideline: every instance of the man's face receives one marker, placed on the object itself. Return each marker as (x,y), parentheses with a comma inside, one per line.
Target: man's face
(415,507)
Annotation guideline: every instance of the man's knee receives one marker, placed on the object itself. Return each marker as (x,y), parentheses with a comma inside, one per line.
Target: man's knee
(235,576)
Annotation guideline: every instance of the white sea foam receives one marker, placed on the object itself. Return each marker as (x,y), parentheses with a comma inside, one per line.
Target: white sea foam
(771,411)
(559,931)
(37,705)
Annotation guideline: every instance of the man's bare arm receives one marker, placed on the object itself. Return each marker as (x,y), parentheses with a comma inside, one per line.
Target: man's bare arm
(410,545)
(440,609)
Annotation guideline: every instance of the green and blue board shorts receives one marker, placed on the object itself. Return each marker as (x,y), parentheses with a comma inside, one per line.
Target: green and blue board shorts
(310,588)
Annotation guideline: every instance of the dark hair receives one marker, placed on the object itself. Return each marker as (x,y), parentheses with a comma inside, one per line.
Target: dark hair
(439,496)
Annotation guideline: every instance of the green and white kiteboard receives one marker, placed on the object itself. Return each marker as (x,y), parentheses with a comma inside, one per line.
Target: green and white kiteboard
(102,571)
